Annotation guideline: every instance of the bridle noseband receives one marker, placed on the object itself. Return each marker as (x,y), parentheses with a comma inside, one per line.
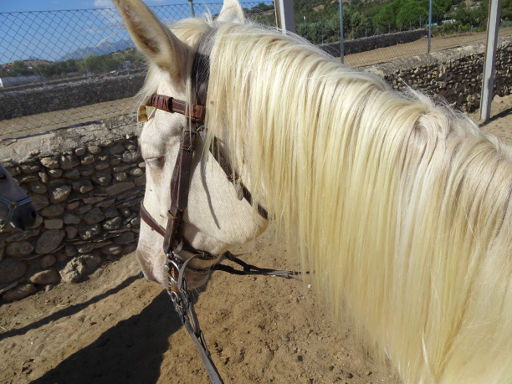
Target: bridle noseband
(12,205)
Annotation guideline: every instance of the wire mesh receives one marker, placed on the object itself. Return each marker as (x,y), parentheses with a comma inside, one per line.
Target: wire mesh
(79,65)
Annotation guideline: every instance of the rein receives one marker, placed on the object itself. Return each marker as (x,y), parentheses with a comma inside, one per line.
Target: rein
(12,205)
(174,241)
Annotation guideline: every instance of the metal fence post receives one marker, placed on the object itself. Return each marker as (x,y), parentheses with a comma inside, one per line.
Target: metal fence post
(284,15)
(493,23)
(342,52)
(192,11)
(429,24)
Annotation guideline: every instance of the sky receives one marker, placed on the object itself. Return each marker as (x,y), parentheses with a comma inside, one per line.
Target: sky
(66,28)
(45,5)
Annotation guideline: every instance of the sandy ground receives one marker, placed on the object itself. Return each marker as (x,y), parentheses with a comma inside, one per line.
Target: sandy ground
(119,328)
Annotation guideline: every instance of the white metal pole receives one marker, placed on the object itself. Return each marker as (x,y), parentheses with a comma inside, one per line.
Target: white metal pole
(284,15)
(342,52)
(487,94)
(429,24)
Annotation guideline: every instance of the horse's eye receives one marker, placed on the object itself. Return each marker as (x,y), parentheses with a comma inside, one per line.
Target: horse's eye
(3,176)
(156,162)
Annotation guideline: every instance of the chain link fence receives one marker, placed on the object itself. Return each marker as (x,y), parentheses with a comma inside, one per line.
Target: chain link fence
(63,61)
(78,66)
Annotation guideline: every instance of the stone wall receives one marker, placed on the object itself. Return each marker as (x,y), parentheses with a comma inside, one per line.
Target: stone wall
(23,101)
(453,75)
(86,184)
(373,42)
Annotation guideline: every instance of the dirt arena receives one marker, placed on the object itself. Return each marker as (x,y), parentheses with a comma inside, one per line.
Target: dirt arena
(119,328)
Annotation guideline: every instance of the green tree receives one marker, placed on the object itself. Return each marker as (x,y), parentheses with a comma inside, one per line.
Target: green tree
(410,14)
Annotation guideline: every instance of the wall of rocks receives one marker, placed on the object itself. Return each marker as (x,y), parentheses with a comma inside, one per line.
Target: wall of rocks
(453,75)
(86,184)
(29,100)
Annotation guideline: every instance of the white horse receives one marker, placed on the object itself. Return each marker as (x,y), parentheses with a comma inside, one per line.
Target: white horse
(15,206)
(401,207)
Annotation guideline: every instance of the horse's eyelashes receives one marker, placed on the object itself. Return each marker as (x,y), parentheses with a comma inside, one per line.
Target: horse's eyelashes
(156,162)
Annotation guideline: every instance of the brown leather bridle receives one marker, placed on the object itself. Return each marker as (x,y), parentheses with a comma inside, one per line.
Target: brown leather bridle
(174,242)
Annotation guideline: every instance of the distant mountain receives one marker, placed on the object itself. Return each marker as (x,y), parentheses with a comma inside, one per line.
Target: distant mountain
(102,49)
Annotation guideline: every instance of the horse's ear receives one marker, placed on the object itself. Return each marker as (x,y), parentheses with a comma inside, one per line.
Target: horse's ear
(231,12)
(155,40)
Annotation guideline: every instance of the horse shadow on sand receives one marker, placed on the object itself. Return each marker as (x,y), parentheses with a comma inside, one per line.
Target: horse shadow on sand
(130,352)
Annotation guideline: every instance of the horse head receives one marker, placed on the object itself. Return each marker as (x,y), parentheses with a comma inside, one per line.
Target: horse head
(15,207)
(215,218)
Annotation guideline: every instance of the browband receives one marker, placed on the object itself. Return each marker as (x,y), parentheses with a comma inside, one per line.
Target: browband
(194,112)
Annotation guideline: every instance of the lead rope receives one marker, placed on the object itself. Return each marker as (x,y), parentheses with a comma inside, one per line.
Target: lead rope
(180,297)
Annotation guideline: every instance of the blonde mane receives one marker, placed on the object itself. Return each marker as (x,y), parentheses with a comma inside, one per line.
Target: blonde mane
(400,206)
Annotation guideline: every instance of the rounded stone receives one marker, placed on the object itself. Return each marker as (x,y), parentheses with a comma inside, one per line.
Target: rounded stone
(52,210)
(73,174)
(121,176)
(130,157)
(20,292)
(49,276)
(11,270)
(94,216)
(94,149)
(43,176)
(69,162)
(87,160)
(29,168)
(80,151)
(73,272)
(88,232)
(72,205)
(55,173)
(102,166)
(50,162)
(19,249)
(71,232)
(136,172)
(69,218)
(112,224)
(87,171)
(83,186)
(49,241)
(39,188)
(53,223)
(102,179)
(47,261)
(60,194)
(111,212)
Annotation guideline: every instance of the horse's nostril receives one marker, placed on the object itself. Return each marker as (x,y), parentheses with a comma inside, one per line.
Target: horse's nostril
(33,214)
